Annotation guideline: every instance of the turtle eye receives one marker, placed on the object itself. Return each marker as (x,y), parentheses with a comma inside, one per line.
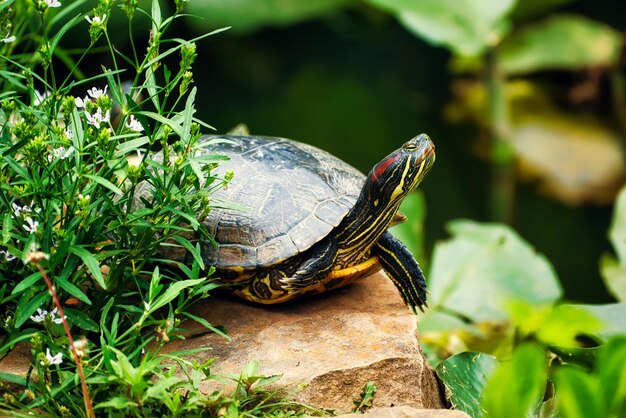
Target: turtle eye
(410,146)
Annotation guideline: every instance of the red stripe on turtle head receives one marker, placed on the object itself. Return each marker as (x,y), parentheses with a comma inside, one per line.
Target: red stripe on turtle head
(382,166)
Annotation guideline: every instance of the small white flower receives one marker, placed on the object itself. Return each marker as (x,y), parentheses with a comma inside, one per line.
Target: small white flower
(133,124)
(69,134)
(41,315)
(53,3)
(57,359)
(97,118)
(53,317)
(17,209)
(7,255)
(80,102)
(61,153)
(96,20)
(9,39)
(30,226)
(95,92)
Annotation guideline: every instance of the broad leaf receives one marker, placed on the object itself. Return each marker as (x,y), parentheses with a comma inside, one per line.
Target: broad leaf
(172,292)
(578,394)
(465,376)
(614,271)
(467,29)
(517,386)
(613,317)
(483,267)
(542,46)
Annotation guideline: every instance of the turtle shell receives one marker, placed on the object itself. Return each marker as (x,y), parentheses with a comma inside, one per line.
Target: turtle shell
(293,195)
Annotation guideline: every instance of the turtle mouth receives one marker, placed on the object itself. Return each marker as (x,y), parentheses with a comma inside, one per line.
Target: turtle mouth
(426,149)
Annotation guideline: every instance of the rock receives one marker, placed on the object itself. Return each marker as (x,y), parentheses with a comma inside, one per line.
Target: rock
(407,412)
(17,361)
(326,348)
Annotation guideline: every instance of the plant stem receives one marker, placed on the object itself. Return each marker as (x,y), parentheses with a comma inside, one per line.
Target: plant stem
(86,398)
(502,156)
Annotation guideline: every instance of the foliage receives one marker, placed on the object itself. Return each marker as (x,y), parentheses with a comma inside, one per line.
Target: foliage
(614,269)
(465,376)
(366,398)
(547,353)
(472,264)
(99,176)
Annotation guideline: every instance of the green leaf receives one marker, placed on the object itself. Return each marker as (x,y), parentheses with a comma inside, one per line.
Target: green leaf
(161,385)
(24,312)
(13,378)
(517,387)
(578,394)
(159,118)
(246,15)
(132,146)
(469,29)
(81,320)
(117,402)
(194,251)
(617,231)
(91,263)
(26,283)
(613,317)
(611,373)
(156,16)
(614,271)
(465,376)
(188,116)
(172,292)
(553,325)
(7,225)
(541,46)
(484,266)
(206,324)
(614,276)
(106,183)
(72,289)
(151,85)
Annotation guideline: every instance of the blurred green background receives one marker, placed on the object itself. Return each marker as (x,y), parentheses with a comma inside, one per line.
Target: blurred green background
(358,78)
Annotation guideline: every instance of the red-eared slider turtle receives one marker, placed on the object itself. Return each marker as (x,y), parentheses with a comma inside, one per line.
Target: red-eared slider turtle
(311,221)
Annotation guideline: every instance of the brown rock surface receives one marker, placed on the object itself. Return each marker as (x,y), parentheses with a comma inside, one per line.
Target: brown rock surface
(326,347)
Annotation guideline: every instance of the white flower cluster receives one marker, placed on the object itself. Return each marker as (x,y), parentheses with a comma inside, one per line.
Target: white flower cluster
(133,124)
(53,3)
(97,118)
(61,153)
(92,94)
(30,224)
(96,20)
(42,314)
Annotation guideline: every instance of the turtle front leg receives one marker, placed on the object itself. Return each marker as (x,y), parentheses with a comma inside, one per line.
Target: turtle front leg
(317,263)
(292,278)
(403,270)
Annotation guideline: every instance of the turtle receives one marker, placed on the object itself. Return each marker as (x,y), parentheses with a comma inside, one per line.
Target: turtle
(310,222)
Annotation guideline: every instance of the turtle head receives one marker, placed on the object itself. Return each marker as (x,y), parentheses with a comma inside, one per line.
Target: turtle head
(402,170)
